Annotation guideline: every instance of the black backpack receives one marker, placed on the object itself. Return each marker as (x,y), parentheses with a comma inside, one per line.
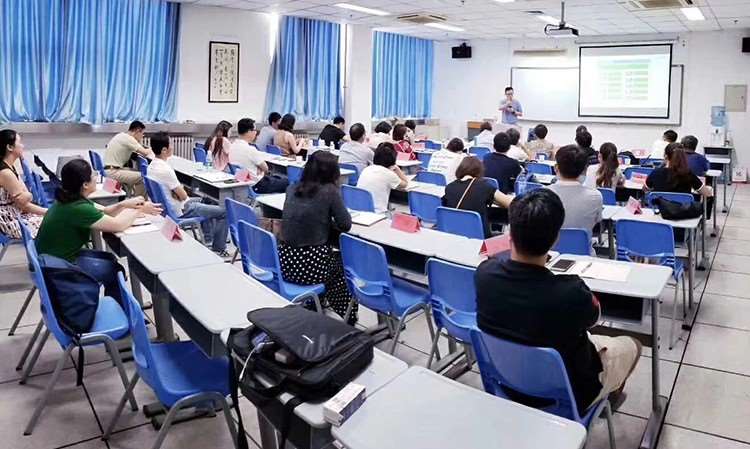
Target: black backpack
(672,210)
(301,352)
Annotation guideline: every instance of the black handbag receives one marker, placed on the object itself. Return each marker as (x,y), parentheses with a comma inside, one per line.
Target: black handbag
(672,210)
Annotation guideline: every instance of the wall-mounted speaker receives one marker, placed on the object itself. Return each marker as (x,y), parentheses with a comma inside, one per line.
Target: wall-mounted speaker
(463,51)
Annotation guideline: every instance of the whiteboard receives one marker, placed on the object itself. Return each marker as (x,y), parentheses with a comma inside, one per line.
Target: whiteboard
(550,94)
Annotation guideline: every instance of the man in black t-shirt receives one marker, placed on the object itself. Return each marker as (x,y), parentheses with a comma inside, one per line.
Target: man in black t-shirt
(500,166)
(521,300)
(332,134)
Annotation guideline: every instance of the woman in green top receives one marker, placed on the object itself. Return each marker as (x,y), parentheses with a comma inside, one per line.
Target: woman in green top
(67,225)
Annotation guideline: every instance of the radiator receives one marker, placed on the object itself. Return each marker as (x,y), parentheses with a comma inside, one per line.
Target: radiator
(181,145)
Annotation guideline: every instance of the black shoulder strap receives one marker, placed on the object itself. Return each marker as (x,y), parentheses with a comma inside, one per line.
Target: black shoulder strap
(233,387)
(286,419)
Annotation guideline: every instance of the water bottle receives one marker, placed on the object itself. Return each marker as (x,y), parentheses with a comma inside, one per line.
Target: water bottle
(521,183)
(209,160)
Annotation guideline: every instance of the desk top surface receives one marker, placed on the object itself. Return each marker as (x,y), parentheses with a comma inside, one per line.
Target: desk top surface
(650,216)
(157,254)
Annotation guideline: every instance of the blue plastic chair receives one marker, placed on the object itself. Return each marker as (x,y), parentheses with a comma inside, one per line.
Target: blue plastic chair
(574,241)
(539,169)
(424,206)
(233,169)
(96,162)
(624,160)
(260,257)
(161,194)
(294,174)
(493,182)
(142,165)
(353,179)
(643,240)
(453,302)
(273,149)
(536,372)
(540,156)
(39,193)
(424,158)
(609,197)
(431,177)
(628,173)
(529,187)
(357,198)
(371,285)
(199,154)
(237,211)
(460,222)
(110,325)
(651,162)
(682,198)
(179,373)
(5,242)
(432,145)
(479,152)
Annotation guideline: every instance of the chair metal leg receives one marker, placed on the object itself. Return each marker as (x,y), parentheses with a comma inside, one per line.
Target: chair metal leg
(610,425)
(674,312)
(230,422)
(120,406)
(115,355)
(428,316)
(234,257)
(397,333)
(25,305)
(3,251)
(48,390)
(349,309)
(26,351)
(34,357)
(433,348)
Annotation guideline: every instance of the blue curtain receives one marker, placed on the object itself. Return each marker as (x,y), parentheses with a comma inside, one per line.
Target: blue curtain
(401,76)
(89,61)
(305,78)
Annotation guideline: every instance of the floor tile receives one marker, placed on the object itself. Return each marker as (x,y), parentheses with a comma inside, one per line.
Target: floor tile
(638,386)
(628,432)
(15,255)
(725,311)
(711,401)
(199,433)
(67,419)
(678,438)
(730,246)
(719,348)
(10,305)
(675,354)
(417,335)
(736,233)
(732,262)
(15,277)
(96,443)
(729,284)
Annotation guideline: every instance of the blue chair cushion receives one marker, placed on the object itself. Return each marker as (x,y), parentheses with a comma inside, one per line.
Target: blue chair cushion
(294,290)
(109,320)
(405,295)
(459,325)
(184,369)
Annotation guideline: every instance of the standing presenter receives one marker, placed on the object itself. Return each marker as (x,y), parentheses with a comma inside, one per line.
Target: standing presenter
(510,108)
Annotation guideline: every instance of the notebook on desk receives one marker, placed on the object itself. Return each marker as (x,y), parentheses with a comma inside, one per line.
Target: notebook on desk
(366,218)
(214,176)
(601,271)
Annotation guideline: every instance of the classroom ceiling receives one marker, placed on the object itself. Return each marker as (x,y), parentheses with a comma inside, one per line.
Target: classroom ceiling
(488,19)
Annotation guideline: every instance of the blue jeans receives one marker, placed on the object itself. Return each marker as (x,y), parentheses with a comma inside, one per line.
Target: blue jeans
(215,226)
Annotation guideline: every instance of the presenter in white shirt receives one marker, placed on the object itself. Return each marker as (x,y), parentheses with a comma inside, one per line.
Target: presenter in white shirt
(510,108)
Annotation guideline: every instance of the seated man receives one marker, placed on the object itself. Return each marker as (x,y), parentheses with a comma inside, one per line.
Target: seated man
(486,137)
(117,157)
(697,162)
(657,149)
(500,166)
(244,154)
(522,301)
(160,171)
(583,205)
(355,151)
(333,134)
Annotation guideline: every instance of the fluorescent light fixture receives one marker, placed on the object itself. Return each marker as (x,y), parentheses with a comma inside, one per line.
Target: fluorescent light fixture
(505,1)
(693,13)
(362,9)
(548,19)
(442,26)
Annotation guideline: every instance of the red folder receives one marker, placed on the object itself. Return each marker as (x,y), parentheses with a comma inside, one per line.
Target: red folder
(405,222)
(111,186)
(403,156)
(495,245)
(243,175)
(170,230)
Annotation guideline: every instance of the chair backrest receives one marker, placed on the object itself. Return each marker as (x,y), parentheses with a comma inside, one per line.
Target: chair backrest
(233,168)
(237,211)
(539,156)
(652,162)
(460,222)
(574,241)
(540,169)
(452,292)
(142,165)
(199,154)
(294,173)
(273,149)
(431,177)
(367,274)
(96,162)
(624,160)
(432,145)
(609,197)
(424,158)
(26,169)
(643,239)
(140,342)
(353,179)
(628,173)
(479,152)
(529,187)
(682,198)
(159,193)
(424,206)
(38,193)
(260,255)
(533,371)
(493,182)
(357,198)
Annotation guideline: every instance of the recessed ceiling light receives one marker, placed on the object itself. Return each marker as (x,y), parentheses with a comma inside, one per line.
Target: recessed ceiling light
(505,1)
(693,13)
(549,19)
(442,26)
(362,9)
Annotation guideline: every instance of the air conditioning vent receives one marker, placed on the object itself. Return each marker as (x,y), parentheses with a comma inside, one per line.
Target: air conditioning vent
(645,5)
(421,19)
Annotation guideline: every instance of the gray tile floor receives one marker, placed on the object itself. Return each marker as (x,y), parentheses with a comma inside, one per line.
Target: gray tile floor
(706,375)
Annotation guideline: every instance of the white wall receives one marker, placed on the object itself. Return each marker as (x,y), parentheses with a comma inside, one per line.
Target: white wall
(470,89)
(202,24)
(358,79)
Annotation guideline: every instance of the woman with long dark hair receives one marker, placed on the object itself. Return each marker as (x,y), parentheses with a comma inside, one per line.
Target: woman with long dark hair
(313,212)
(218,144)
(675,175)
(15,198)
(285,140)
(607,172)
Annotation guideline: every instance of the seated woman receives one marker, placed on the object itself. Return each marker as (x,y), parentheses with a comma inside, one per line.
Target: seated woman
(218,145)
(607,172)
(15,198)
(675,174)
(382,176)
(66,228)
(313,211)
(446,161)
(402,144)
(285,140)
(470,192)
(382,133)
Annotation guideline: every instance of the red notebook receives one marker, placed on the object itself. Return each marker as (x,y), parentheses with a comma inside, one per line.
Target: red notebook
(495,245)
(405,222)
(111,186)
(170,230)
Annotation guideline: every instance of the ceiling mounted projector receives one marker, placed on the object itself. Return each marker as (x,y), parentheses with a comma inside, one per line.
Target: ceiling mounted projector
(561,29)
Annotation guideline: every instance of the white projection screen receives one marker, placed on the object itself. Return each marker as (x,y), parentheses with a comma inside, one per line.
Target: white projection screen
(625,81)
